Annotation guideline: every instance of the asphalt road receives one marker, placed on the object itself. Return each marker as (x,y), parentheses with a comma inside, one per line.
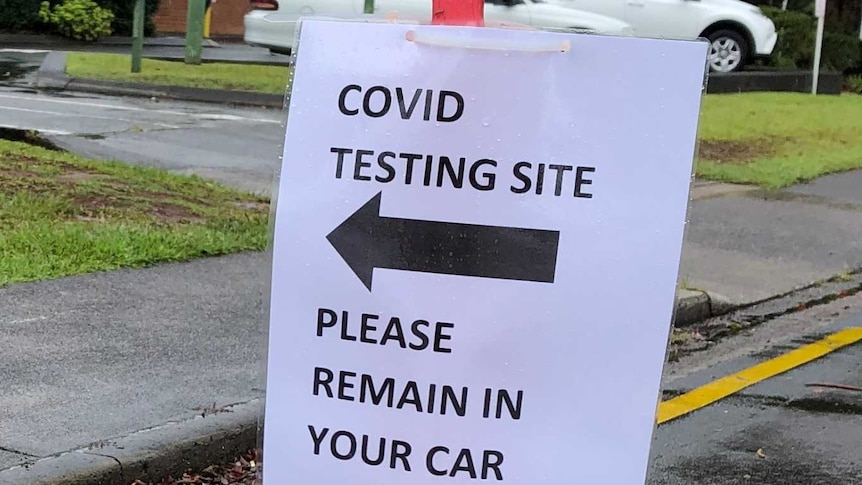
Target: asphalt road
(240,147)
(782,431)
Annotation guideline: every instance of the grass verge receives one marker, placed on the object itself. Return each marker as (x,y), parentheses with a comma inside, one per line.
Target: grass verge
(239,77)
(778,139)
(61,215)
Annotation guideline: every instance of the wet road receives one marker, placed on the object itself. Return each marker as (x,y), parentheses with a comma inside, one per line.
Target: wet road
(237,146)
(18,66)
(800,427)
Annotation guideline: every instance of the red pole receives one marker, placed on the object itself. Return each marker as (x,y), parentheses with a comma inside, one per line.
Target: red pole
(458,12)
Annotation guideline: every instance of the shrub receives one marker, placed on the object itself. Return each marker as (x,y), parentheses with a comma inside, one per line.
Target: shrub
(23,15)
(19,14)
(124,12)
(796,36)
(78,19)
(796,32)
(854,84)
(841,52)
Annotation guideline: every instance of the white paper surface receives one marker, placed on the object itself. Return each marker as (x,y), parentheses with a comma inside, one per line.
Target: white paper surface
(586,351)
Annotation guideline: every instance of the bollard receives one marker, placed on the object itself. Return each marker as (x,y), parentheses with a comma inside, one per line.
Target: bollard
(138,35)
(195,31)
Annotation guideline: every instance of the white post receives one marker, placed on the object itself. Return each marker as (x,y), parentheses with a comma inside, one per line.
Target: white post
(820,12)
(784,5)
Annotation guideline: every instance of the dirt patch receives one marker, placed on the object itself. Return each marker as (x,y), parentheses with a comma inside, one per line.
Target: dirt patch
(734,151)
(172,213)
(16,173)
(76,176)
(261,206)
(92,206)
(93,203)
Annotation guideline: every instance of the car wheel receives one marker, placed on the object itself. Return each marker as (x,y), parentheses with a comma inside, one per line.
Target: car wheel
(728,51)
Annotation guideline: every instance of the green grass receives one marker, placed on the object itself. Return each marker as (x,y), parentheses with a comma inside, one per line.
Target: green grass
(777,139)
(240,77)
(62,215)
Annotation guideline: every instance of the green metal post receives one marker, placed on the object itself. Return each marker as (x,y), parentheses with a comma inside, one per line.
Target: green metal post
(138,35)
(369,6)
(195,31)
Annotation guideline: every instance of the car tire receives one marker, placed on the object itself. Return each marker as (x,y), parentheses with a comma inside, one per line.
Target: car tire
(728,51)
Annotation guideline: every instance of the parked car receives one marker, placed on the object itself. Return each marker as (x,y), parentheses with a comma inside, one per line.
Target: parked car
(272,23)
(737,31)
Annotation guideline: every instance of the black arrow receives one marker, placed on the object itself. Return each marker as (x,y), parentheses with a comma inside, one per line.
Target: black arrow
(365,241)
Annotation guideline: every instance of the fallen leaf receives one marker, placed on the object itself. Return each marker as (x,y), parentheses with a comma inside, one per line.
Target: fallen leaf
(760,453)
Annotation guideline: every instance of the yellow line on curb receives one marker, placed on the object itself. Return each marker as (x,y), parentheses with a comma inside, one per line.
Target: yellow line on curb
(721,388)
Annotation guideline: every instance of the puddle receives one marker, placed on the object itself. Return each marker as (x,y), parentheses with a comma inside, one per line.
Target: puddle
(11,71)
(19,68)
(826,405)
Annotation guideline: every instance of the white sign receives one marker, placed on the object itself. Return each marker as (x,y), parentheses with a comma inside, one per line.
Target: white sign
(477,240)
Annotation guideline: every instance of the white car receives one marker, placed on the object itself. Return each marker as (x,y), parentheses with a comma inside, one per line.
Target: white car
(272,23)
(737,31)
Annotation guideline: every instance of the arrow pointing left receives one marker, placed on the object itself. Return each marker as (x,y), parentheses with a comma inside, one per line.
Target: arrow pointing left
(366,240)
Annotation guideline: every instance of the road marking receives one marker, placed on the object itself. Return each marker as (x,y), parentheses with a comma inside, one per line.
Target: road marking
(728,385)
(185,114)
(57,113)
(25,51)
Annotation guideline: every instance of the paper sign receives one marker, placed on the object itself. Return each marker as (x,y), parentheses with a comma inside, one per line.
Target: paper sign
(477,241)
(819,8)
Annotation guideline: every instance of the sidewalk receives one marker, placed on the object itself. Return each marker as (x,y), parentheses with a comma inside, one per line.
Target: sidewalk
(91,362)
(750,245)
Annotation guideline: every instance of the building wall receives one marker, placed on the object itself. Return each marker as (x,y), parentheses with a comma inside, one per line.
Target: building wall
(226,17)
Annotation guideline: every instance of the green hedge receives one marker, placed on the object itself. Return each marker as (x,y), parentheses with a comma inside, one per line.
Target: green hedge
(23,15)
(124,10)
(795,47)
(20,15)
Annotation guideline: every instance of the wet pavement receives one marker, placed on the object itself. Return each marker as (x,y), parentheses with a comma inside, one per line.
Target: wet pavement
(801,427)
(237,146)
(19,67)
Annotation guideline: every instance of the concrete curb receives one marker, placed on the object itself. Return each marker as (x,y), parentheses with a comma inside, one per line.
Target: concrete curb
(151,454)
(693,306)
(52,76)
(775,81)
